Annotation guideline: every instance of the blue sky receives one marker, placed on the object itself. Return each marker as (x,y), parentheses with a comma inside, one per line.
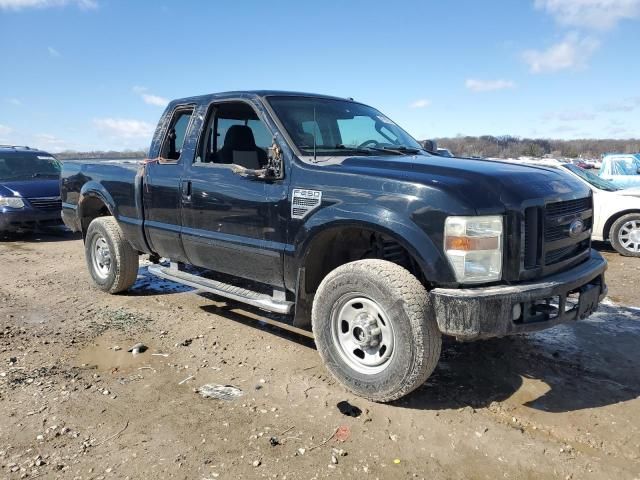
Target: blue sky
(95,74)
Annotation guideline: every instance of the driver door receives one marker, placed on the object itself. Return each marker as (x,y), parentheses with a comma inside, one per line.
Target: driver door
(229,221)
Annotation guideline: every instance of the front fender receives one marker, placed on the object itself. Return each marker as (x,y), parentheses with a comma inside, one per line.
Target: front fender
(377,218)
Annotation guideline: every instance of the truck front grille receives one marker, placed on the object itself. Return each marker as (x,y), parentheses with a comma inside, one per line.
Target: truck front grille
(546,237)
(48,204)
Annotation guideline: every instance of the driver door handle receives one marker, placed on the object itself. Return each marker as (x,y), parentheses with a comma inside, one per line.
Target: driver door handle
(185,187)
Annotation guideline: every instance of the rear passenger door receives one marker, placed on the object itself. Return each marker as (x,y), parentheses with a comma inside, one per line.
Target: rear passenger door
(229,220)
(162,193)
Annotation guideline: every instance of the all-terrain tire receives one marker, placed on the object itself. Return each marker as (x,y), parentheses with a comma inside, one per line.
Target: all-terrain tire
(122,268)
(417,339)
(614,235)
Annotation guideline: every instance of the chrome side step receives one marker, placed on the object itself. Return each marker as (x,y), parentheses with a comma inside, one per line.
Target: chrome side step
(276,304)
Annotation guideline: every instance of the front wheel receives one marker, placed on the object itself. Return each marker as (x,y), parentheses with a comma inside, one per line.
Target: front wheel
(373,329)
(112,261)
(625,235)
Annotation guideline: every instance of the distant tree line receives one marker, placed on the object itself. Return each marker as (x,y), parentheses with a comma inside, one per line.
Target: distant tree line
(513,147)
(485,146)
(101,155)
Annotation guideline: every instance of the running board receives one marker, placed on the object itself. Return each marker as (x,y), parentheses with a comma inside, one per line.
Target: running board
(226,290)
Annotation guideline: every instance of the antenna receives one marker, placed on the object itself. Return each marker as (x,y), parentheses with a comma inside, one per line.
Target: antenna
(315,126)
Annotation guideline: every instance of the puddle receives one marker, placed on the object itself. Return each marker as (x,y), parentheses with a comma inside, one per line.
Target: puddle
(149,284)
(100,354)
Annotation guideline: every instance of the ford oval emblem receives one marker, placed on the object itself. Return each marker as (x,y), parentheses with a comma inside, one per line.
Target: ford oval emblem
(576,228)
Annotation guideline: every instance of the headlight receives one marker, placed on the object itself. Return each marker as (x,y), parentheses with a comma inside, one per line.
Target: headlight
(474,247)
(12,202)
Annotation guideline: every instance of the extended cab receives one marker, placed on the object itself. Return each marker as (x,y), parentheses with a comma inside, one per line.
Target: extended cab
(323,209)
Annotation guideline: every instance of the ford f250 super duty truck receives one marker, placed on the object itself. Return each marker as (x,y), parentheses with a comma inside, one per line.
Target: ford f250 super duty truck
(324,210)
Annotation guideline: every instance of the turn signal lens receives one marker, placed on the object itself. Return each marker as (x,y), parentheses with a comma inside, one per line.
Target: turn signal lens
(472,243)
(473,246)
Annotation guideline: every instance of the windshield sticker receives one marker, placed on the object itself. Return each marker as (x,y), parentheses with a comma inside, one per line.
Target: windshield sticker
(384,119)
(40,157)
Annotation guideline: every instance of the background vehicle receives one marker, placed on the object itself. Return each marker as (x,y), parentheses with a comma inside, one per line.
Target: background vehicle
(621,170)
(582,164)
(444,152)
(616,211)
(29,189)
(323,209)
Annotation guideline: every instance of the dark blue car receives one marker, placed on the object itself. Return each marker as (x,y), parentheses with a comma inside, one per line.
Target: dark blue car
(29,189)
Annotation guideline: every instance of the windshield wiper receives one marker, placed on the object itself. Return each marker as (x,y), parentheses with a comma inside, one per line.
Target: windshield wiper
(340,146)
(44,174)
(400,149)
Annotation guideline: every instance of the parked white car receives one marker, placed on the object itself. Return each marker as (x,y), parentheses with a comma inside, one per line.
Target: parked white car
(621,170)
(616,211)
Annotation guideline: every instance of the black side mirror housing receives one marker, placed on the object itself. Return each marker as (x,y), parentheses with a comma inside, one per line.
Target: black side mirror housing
(275,164)
(430,146)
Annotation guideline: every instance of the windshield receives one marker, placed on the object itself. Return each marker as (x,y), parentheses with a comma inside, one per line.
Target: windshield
(591,178)
(340,127)
(624,166)
(24,166)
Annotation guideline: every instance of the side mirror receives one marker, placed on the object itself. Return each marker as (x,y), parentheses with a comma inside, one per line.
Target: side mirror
(430,146)
(275,167)
(638,171)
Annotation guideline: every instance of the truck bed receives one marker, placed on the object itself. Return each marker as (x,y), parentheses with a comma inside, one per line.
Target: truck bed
(115,182)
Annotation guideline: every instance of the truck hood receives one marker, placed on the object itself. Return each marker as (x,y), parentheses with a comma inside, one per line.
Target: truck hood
(31,188)
(486,185)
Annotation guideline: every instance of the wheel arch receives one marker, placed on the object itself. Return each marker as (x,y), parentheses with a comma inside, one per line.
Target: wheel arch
(94,202)
(606,231)
(330,242)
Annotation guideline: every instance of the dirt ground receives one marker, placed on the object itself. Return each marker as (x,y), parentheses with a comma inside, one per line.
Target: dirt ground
(558,404)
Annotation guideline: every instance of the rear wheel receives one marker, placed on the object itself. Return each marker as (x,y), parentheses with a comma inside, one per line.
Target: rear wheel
(625,235)
(112,261)
(373,329)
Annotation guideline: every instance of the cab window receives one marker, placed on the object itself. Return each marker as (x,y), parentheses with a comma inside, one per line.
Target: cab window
(176,134)
(234,135)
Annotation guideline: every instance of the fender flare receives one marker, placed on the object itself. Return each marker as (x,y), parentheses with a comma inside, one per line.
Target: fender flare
(379,219)
(95,190)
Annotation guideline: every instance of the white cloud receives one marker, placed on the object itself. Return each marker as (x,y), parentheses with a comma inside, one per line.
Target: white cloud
(51,143)
(422,103)
(476,85)
(626,105)
(52,51)
(590,14)
(124,128)
(572,52)
(564,129)
(570,116)
(149,98)
(154,100)
(23,4)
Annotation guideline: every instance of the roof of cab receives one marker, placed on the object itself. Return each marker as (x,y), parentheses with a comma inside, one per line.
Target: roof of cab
(22,149)
(250,94)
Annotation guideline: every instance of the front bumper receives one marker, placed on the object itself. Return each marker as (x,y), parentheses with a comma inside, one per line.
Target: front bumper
(475,313)
(12,220)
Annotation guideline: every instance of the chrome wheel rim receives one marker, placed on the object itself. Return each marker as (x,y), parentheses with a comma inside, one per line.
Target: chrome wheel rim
(101,256)
(363,334)
(629,236)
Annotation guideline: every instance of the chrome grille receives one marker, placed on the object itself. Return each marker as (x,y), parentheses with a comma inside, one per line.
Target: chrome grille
(48,204)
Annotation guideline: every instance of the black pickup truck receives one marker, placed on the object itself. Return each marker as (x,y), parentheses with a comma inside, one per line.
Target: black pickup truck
(325,211)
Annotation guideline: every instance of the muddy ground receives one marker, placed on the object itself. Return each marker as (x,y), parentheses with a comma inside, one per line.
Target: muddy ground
(559,404)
